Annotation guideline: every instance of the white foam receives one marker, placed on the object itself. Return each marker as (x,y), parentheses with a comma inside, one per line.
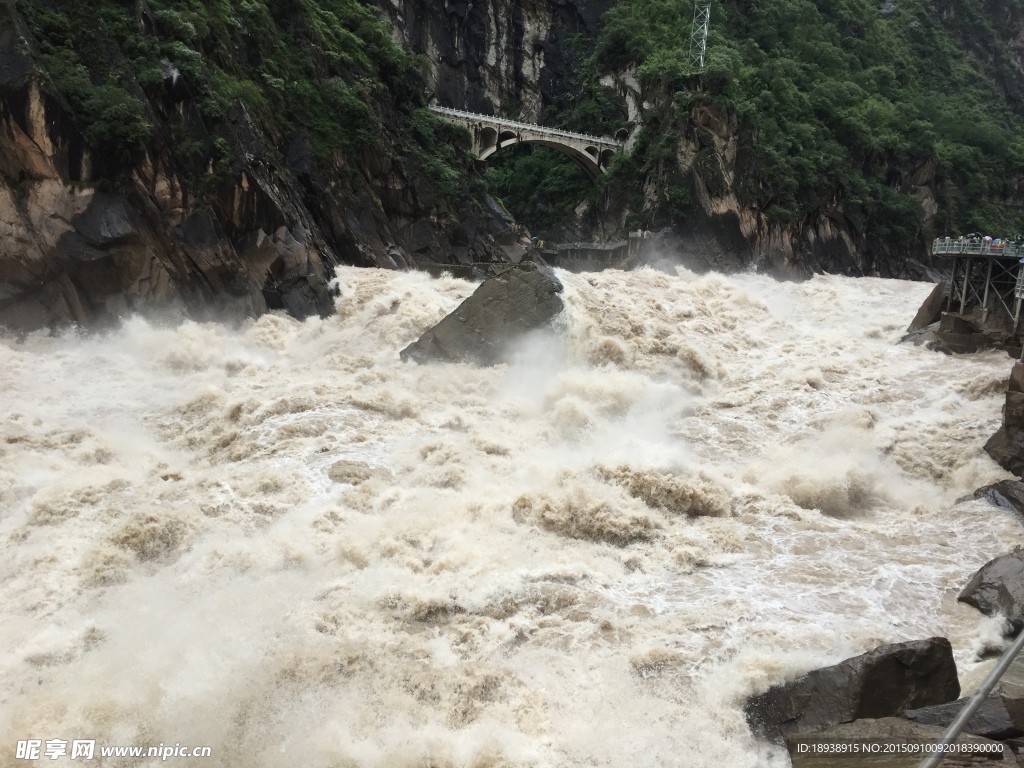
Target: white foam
(521,565)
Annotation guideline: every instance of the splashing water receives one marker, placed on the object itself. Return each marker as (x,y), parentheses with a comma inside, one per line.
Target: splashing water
(284,543)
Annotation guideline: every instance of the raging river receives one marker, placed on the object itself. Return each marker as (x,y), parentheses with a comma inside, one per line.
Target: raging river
(278,540)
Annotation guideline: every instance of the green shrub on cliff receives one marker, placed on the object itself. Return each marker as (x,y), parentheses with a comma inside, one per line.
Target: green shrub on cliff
(328,69)
(437,147)
(541,185)
(836,102)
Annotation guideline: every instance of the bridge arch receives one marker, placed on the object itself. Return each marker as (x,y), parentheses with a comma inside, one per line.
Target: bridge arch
(590,160)
(592,154)
(488,138)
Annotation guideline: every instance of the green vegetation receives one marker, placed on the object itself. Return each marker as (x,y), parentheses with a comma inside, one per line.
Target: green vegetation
(438,148)
(844,101)
(836,101)
(326,67)
(541,185)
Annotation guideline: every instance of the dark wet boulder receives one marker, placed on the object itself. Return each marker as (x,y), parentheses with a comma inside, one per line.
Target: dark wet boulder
(992,720)
(881,683)
(928,337)
(1006,446)
(998,587)
(931,310)
(502,310)
(1008,494)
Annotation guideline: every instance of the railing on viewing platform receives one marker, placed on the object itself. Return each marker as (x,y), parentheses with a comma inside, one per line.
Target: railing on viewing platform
(978,248)
(985,274)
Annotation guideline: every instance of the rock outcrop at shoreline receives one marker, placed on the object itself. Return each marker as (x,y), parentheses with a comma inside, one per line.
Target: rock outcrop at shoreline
(993,719)
(998,588)
(960,329)
(1006,446)
(931,309)
(215,208)
(860,700)
(881,683)
(1008,494)
(503,309)
(900,694)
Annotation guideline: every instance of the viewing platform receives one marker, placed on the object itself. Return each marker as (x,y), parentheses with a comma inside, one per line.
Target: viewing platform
(949,247)
(986,277)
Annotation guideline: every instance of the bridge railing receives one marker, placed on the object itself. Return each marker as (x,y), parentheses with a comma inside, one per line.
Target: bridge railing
(947,245)
(528,126)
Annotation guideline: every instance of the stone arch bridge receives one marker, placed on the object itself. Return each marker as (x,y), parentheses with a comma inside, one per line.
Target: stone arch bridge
(591,153)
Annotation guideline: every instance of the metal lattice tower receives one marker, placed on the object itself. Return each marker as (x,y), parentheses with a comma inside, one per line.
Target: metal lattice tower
(699,32)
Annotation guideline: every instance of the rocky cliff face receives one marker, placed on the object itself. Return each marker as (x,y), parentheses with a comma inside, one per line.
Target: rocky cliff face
(961,173)
(728,232)
(262,230)
(850,167)
(723,229)
(514,58)
(249,212)
(73,253)
(504,57)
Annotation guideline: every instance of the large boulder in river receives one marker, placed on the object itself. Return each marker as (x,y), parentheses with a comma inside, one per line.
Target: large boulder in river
(881,683)
(931,310)
(502,310)
(998,587)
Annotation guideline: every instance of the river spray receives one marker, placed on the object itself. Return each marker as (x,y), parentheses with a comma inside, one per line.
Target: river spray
(281,541)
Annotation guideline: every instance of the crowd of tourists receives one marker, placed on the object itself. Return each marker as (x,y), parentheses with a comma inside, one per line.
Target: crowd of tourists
(978,243)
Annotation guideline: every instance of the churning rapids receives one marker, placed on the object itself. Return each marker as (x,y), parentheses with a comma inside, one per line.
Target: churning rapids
(280,541)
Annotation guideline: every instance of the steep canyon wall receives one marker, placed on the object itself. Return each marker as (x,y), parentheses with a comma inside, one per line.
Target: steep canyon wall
(258,222)
(247,212)
(502,57)
(903,130)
